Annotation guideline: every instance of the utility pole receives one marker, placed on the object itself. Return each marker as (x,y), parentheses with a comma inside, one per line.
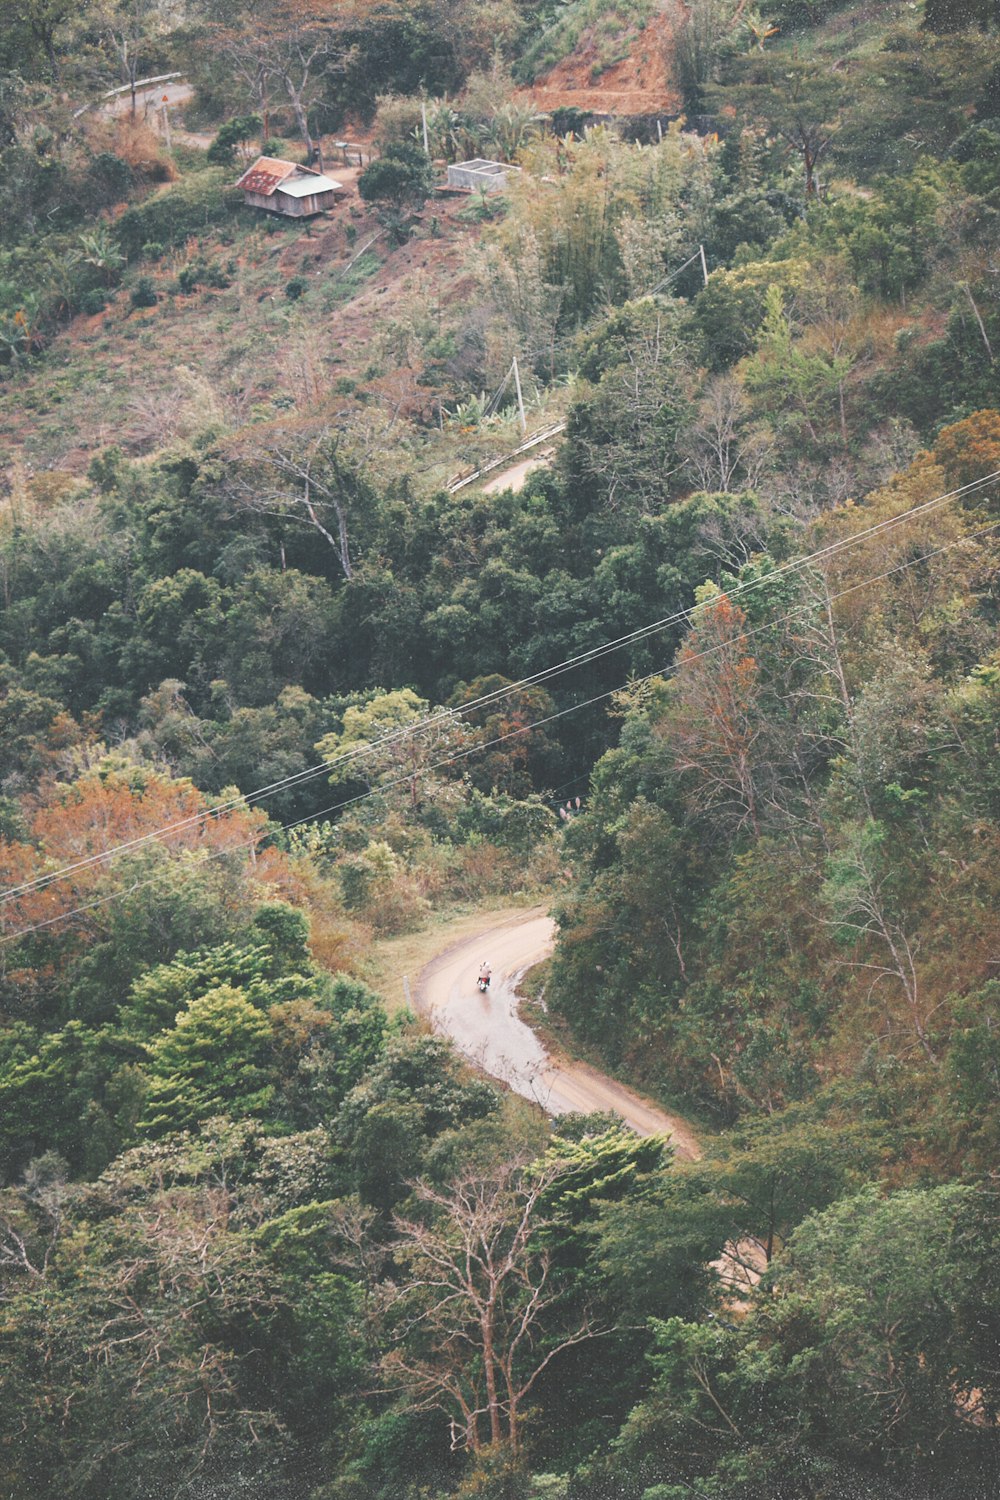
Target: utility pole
(423,121)
(520,401)
(704,267)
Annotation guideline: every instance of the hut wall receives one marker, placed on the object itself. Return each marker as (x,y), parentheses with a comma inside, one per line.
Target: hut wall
(300,208)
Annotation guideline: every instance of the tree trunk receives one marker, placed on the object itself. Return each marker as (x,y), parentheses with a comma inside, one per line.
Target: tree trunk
(489,1362)
(302,121)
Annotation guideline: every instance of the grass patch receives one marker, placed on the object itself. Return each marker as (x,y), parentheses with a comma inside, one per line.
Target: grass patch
(340,286)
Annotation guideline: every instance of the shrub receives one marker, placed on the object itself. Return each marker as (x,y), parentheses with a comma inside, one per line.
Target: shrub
(295,288)
(795,15)
(175,213)
(109,180)
(143,294)
(202,272)
(93,302)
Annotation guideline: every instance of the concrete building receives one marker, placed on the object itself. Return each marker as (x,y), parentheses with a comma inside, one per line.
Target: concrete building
(480,175)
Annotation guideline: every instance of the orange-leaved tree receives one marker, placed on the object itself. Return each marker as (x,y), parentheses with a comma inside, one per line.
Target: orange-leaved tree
(95,849)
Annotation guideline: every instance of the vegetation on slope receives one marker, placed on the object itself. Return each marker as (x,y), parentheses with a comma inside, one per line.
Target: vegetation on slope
(258,707)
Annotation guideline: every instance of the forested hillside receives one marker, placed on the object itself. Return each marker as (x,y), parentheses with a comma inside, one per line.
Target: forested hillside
(712,672)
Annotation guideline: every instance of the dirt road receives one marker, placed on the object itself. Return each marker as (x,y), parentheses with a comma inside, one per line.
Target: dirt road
(514,477)
(489,1032)
(149,104)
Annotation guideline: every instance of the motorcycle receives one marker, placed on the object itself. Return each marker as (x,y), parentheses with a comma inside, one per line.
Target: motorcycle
(483,983)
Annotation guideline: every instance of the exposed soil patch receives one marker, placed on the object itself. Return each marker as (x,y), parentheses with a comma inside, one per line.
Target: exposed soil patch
(514,477)
(644,83)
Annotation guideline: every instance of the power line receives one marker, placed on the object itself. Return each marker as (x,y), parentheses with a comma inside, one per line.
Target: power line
(514,733)
(567,340)
(547,674)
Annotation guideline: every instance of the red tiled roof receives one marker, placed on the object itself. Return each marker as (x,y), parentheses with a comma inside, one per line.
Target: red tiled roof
(267,174)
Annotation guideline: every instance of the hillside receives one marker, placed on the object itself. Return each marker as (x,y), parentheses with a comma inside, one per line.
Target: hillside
(707,683)
(624,69)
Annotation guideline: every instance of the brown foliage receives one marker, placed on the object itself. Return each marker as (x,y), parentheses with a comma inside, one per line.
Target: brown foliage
(75,828)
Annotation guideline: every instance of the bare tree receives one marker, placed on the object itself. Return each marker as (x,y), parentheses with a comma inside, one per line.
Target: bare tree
(860,897)
(475,1319)
(300,477)
(721,450)
(131,30)
(32,1219)
(716,739)
(300,56)
(284,54)
(246,51)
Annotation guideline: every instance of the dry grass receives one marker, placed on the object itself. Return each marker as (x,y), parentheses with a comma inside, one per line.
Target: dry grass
(392,960)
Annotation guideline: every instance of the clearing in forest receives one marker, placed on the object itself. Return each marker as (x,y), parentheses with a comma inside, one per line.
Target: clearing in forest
(624,71)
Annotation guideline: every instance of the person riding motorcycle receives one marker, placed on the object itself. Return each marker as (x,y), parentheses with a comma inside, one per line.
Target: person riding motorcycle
(484,976)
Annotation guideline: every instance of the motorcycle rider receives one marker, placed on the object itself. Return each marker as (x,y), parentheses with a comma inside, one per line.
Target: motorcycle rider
(484,975)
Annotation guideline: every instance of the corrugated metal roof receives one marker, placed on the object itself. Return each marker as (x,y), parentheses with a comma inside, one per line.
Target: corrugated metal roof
(266,174)
(304,187)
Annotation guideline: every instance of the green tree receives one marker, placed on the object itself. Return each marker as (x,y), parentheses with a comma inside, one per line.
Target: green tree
(43,21)
(398,742)
(75,1091)
(234,136)
(799,99)
(415,1092)
(398,180)
(837,1375)
(214,1060)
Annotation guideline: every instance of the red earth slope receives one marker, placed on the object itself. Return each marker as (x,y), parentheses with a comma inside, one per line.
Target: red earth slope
(644,83)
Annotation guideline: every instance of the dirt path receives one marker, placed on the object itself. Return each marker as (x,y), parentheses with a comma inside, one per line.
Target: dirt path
(489,1032)
(514,477)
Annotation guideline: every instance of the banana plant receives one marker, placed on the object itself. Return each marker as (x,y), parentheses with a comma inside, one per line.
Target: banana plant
(99,249)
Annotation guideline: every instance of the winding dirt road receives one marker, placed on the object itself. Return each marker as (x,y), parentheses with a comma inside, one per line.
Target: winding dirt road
(489,1032)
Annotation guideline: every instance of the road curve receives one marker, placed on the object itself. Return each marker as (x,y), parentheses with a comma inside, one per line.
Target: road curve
(489,1032)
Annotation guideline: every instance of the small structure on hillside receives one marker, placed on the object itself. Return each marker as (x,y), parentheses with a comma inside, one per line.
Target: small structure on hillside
(283,187)
(480,175)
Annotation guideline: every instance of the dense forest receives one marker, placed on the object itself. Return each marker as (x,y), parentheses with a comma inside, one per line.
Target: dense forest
(717,682)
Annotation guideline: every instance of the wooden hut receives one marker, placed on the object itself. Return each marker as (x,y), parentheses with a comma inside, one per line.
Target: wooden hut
(282,187)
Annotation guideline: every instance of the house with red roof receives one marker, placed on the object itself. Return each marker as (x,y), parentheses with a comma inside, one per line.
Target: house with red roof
(283,187)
